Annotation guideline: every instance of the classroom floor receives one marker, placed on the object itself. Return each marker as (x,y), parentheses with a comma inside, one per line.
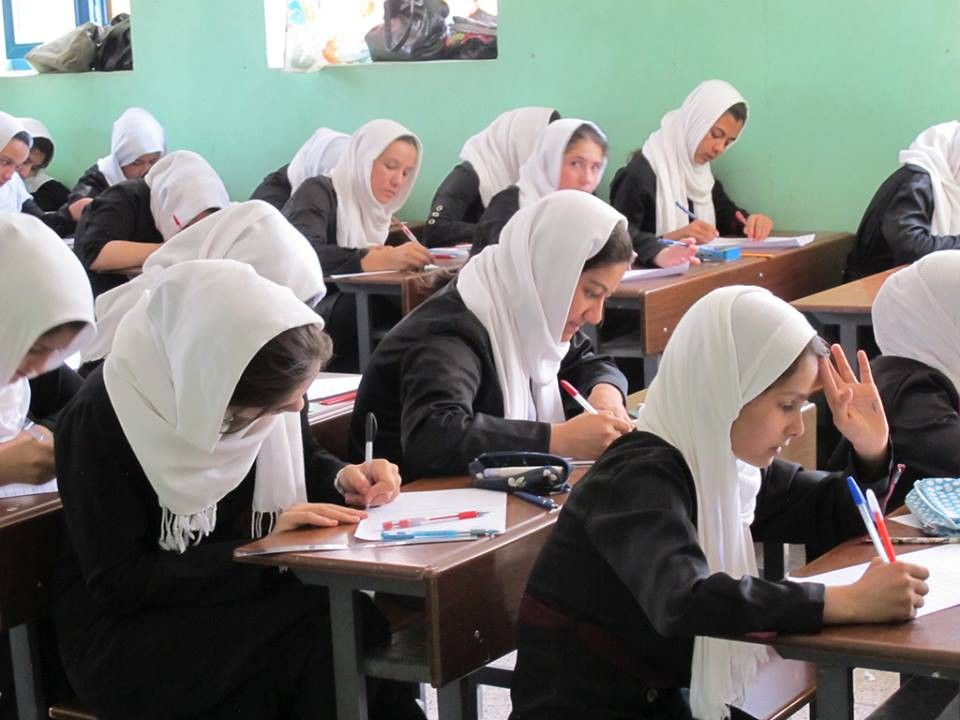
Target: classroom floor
(871,687)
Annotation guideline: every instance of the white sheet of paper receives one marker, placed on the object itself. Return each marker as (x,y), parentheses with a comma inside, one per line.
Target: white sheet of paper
(647,273)
(431,503)
(943,562)
(330,384)
(771,243)
(21,489)
(341,276)
(910,520)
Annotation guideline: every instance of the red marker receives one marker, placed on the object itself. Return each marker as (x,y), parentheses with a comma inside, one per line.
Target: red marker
(405,230)
(414,522)
(877,515)
(739,216)
(581,401)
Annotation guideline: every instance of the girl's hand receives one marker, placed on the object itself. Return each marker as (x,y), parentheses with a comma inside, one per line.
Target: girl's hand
(607,399)
(855,404)
(700,230)
(676,254)
(884,593)
(369,485)
(317,515)
(758,227)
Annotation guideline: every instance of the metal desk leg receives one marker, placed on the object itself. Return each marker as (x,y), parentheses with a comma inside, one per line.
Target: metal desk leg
(834,692)
(848,341)
(347,636)
(459,700)
(28,688)
(364,329)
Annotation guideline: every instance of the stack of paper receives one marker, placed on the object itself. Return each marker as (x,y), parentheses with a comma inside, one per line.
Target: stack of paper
(432,503)
(648,273)
(771,243)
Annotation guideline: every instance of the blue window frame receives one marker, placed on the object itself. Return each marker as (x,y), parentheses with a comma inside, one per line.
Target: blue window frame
(85,11)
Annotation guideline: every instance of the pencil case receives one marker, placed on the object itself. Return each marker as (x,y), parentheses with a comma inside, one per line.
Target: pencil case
(935,502)
(718,253)
(538,473)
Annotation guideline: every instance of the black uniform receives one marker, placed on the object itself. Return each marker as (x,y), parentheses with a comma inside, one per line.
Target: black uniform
(921,405)
(895,229)
(622,586)
(150,633)
(432,384)
(502,207)
(312,209)
(455,210)
(90,185)
(50,392)
(121,212)
(274,188)
(51,195)
(634,193)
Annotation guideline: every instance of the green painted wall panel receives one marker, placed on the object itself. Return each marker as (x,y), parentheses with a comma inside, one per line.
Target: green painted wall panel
(836,89)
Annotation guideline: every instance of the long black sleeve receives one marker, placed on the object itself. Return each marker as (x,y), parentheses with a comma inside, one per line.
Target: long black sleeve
(455,209)
(50,392)
(321,466)
(634,193)
(274,188)
(726,210)
(52,220)
(51,195)
(906,223)
(441,432)
(502,207)
(312,209)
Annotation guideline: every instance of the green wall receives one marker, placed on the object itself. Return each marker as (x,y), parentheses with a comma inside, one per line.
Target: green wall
(836,89)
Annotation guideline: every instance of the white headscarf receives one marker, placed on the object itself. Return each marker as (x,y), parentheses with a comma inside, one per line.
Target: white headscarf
(135,133)
(175,363)
(670,151)
(37,130)
(936,151)
(540,173)
(317,156)
(521,291)
(361,220)
(183,185)
(42,285)
(497,152)
(251,232)
(13,193)
(916,314)
(750,338)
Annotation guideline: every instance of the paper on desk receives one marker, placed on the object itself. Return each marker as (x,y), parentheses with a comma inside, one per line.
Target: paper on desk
(341,276)
(943,562)
(648,273)
(910,520)
(771,243)
(330,384)
(431,503)
(21,489)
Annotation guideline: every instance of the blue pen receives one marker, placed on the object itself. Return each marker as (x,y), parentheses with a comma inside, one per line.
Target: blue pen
(861,504)
(544,502)
(465,534)
(685,211)
(664,241)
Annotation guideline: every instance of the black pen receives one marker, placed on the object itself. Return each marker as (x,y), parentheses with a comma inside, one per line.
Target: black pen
(371,434)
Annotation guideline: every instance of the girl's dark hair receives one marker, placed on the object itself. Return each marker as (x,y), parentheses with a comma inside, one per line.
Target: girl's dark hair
(46,147)
(554,116)
(24,137)
(738,111)
(74,325)
(587,132)
(280,366)
(817,347)
(617,249)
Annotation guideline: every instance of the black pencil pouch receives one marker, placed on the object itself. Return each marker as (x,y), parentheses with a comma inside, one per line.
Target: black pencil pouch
(533,472)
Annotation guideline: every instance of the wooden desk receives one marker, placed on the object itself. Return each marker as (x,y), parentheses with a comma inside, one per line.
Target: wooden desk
(927,646)
(846,306)
(661,302)
(412,287)
(30,535)
(471,593)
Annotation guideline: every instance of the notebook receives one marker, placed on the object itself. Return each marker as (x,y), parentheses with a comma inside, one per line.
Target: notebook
(771,243)
(649,273)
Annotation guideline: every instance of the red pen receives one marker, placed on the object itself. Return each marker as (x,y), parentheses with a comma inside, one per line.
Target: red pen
(337,399)
(414,522)
(739,216)
(581,401)
(881,525)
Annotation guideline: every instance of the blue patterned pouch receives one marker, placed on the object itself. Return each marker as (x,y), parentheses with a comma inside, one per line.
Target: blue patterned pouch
(936,504)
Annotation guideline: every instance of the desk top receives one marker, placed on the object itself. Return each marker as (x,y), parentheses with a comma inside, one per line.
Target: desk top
(407,563)
(853,297)
(933,640)
(20,509)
